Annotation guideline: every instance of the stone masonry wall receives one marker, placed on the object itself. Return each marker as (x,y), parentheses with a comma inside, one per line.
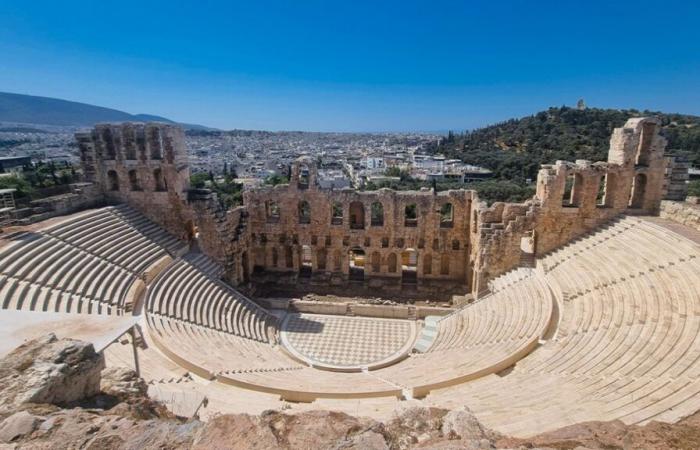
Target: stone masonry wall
(572,199)
(287,219)
(686,213)
(144,165)
(438,241)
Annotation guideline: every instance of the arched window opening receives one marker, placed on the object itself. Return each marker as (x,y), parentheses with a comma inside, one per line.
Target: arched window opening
(357,215)
(108,139)
(427,264)
(411,215)
(159,181)
(356,264)
(455,244)
(303,182)
(113,180)
(129,143)
(638,191)
(134,180)
(444,265)
(446,216)
(391,263)
(377,214)
(376,262)
(272,211)
(304,212)
(155,143)
(336,213)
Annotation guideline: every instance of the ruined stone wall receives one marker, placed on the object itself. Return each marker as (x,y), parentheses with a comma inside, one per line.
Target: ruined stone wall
(222,234)
(686,213)
(144,165)
(280,229)
(572,199)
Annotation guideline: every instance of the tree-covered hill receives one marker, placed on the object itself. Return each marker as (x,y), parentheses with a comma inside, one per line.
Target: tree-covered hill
(514,149)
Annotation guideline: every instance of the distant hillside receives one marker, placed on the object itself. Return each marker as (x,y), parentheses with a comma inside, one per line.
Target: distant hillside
(30,109)
(514,149)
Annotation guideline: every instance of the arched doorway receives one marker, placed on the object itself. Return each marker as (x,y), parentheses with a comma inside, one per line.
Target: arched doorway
(305,266)
(409,263)
(638,191)
(356,264)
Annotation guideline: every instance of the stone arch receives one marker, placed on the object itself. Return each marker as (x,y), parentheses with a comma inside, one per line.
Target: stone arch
(357,215)
(113,180)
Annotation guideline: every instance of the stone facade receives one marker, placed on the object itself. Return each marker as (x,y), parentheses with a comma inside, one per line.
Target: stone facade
(383,238)
(144,165)
(572,199)
(401,241)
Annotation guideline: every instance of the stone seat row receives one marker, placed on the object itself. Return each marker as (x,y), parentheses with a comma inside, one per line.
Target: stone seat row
(24,296)
(508,314)
(209,352)
(119,234)
(183,291)
(48,262)
(509,278)
(627,350)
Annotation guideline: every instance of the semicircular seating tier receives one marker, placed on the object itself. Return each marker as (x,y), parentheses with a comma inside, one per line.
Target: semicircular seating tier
(90,263)
(627,346)
(216,331)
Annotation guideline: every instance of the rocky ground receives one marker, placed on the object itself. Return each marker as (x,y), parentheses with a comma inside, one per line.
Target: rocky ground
(56,394)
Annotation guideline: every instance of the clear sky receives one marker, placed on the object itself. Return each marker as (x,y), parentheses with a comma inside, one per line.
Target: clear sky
(353,65)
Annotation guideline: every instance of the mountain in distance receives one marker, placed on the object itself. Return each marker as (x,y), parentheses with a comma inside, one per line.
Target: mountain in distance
(514,149)
(31,109)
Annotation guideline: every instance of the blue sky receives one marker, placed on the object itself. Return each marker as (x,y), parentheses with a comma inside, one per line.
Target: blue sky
(353,65)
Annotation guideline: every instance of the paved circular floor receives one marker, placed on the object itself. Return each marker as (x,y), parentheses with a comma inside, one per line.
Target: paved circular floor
(347,343)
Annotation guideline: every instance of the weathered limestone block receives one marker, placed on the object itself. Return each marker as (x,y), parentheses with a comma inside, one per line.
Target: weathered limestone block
(48,370)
